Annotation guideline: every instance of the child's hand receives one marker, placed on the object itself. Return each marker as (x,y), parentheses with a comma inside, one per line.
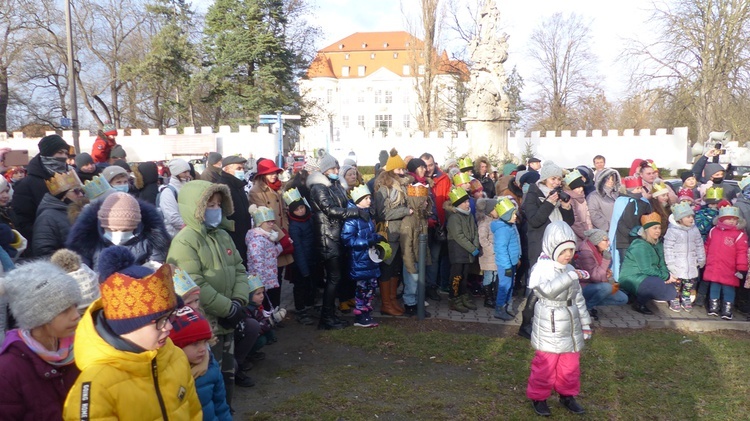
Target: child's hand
(580,274)
(587,334)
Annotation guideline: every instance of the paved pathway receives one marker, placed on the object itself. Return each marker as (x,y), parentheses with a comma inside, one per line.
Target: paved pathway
(609,317)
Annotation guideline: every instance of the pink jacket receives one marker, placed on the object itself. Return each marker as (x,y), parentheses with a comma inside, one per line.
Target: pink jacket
(581,213)
(486,243)
(726,254)
(262,255)
(591,260)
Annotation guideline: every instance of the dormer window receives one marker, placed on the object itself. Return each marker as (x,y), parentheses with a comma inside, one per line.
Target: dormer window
(341,46)
(364,45)
(385,45)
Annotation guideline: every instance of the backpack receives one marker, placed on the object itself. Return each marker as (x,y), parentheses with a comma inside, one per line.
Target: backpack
(158,198)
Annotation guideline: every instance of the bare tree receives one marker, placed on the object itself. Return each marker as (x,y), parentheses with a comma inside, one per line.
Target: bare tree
(698,61)
(565,77)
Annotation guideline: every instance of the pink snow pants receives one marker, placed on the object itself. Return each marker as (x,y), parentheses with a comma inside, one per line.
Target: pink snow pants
(561,372)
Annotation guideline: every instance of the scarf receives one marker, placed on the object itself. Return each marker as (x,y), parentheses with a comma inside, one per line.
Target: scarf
(422,180)
(275,186)
(62,357)
(555,215)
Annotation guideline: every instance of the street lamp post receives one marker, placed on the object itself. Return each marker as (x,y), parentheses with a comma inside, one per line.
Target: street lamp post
(72,77)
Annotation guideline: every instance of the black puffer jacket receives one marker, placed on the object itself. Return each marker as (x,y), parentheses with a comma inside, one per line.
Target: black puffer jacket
(329,206)
(241,216)
(27,196)
(51,227)
(147,182)
(537,211)
(151,242)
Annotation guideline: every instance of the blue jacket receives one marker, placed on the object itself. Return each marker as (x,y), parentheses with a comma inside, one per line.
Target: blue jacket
(302,233)
(211,392)
(507,244)
(358,236)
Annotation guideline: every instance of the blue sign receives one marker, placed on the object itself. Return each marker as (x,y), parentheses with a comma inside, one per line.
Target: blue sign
(268,121)
(66,122)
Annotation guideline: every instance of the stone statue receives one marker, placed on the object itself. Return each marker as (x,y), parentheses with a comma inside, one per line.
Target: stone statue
(489,50)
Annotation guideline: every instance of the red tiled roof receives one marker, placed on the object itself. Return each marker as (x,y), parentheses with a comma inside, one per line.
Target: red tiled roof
(373,41)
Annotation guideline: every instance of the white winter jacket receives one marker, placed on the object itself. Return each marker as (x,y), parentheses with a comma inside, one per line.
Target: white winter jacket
(560,314)
(684,251)
(168,206)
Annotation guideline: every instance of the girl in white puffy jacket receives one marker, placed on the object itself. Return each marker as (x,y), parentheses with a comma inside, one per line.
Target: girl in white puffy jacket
(561,322)
(684,254)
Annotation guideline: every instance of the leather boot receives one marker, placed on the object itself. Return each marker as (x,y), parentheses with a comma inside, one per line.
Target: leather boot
(490,295)
(726,310)
(570,403)
(541,408)
(329,321)
(527,316)
(394,299)
(386,303)
(468,301)
(713,307)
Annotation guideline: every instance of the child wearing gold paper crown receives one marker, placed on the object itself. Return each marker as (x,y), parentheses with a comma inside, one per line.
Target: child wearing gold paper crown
(122,344)
(507,252)
(463,248)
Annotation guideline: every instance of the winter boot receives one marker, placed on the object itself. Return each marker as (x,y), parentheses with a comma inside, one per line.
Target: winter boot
(468,302)
(490,295)
(303,317)
(528,316)
(386,302)
(713,307)
(726,310)
(412,311)
(394,299)
(570,403)
(502,313)
(329,321)
(509,309)
(457,304)
(541,408)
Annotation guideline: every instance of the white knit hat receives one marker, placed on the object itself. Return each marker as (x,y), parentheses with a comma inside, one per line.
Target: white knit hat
(88,280)
(178,166)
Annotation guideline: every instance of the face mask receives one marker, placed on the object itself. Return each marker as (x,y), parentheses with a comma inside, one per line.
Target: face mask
(273,236)
(525,188)
(213,217)
(118,237)
(240,174)
(333,177)
(122,187)
(58,165)
(717,180)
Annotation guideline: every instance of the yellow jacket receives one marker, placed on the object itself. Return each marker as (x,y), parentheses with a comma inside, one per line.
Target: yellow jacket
(119,385)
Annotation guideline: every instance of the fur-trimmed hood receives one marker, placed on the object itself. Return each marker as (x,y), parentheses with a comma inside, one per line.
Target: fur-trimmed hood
(193,200)
(601,179)
(86,236)
(317,177)
(477,164)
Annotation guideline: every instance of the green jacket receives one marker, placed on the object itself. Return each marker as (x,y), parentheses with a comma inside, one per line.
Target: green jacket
(209,256)
(642,259)
(463,235)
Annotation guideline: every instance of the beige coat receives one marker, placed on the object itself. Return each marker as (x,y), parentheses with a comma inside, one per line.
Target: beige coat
(262,195)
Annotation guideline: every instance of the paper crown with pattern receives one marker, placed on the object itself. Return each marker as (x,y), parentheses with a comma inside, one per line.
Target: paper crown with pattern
(504,206)
(745,182)
(261,214)
(130,303)
(465,164)
(457,195)
(183,283)
(572,176)
(632,182)
(96,187)
(417,190)
(714,193)
(658,189)
(650,219)
(461,178)
(254,282)
(729,211)
(63,182)
(290,196)
(358,193)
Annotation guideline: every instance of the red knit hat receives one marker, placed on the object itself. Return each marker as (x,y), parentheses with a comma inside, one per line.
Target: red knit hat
(189,326)
(632,182)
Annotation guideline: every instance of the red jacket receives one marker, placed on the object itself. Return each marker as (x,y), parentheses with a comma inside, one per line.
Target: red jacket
(441,189)
(30,388)
(726,254)
(101,150)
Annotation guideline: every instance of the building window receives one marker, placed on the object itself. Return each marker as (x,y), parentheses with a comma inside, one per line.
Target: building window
(361,70)
(361,120)
(360,96)
(383,120)
(388,97)
(378,96)
(395,55)
(329,96)
(372,56)
(345,71)
(345,121)
(406,70)
(407,121)
(421,69)
(346,56)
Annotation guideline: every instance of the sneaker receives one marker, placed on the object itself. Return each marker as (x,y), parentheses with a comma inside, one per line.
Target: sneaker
(541,408)
(412,311)
(364,320)
(570,403)
(594,313)
(432,294)
(674,305)
(257,356)
(304,318)
(687,305)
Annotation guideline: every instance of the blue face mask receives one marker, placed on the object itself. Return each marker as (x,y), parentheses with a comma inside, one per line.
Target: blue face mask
(122,187)
(240,174)
(525,188)
(213,217)
(333,177)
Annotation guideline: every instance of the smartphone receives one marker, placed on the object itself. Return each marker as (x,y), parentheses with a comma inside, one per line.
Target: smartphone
(19,158)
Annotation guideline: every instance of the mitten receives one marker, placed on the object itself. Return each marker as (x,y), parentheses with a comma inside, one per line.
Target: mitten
(235,316)
(587,332)
(607,255)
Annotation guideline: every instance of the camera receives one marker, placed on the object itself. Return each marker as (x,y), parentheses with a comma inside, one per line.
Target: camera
(564,197)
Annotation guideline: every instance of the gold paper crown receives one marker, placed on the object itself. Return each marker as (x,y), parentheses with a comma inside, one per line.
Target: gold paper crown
(125,298)
(63,182)
(465,163)
(96,187)
(461,178)
(457,194)
(292,195)
(659,189)
(417,190)
(503,206)
(714,193)
(650,219)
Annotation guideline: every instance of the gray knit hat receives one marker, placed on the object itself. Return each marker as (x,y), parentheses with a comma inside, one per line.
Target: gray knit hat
(327,162)
(38,292)
(549,169)
(88,280)
(486,205)
(595,235)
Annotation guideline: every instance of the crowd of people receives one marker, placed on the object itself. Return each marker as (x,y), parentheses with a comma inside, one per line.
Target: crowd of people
(116,274)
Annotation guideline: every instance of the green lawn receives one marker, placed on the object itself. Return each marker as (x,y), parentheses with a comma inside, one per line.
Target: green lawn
(407,371)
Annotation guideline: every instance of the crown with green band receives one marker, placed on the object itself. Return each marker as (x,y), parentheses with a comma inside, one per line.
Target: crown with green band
(359,192)
(290,196)
(456,194)
(745,182)
(96,187)
(461,178)
(503,206)
(465,163)
(384,250)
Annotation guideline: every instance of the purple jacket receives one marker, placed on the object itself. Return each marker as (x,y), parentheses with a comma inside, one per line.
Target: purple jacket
(31,389)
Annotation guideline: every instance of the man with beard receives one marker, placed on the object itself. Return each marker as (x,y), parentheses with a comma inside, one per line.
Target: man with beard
(437,272)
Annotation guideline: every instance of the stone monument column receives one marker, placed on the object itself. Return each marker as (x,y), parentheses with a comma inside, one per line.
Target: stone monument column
(487,116)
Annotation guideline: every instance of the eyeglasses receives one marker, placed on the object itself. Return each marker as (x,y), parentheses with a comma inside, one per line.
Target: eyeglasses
(161,322)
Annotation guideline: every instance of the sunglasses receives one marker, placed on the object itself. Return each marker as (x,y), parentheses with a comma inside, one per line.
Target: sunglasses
(161,322)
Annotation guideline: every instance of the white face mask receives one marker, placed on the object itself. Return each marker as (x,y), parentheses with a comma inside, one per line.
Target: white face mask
(118,237)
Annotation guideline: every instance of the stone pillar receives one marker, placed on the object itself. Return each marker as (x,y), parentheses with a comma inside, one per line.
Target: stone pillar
(488,137)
